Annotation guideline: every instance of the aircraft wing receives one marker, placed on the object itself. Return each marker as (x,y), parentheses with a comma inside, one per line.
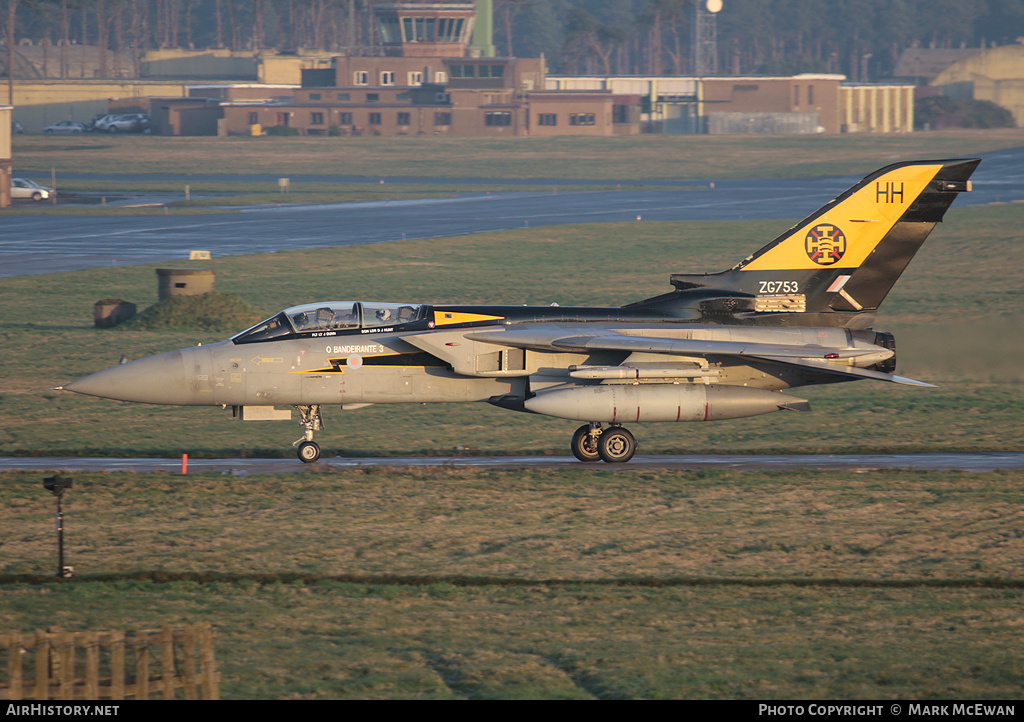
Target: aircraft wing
(818,358)
(548,340)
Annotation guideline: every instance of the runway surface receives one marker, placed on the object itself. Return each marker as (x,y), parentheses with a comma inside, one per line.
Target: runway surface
(33,244)
(983,462)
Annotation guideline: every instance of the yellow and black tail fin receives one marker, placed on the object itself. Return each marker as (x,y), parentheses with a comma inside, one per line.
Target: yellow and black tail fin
(845,257)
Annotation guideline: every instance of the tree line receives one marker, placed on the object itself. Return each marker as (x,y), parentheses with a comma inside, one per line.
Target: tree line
(861,39)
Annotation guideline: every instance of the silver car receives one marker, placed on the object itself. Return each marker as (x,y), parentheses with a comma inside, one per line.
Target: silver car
(102,123)
(65,126)
(24,188)
(128,123)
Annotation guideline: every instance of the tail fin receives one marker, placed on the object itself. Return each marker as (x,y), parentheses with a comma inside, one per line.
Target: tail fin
(846,256)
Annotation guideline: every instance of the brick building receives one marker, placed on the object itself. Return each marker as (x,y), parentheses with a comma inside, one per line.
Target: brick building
(436,96)
(427,79)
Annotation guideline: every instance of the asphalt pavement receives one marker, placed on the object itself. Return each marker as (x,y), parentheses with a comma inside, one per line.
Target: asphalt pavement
(981,462)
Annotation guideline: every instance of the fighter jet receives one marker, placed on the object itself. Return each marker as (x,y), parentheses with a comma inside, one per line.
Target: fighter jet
(797,312)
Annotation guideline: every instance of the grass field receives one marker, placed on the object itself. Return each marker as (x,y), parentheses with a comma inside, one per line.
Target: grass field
(616,158)
(444,583)
(591,582)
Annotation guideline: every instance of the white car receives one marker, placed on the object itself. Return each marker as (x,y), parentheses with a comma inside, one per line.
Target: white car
(24,188)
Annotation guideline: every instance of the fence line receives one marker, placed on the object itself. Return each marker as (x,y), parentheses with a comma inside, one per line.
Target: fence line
(173,662)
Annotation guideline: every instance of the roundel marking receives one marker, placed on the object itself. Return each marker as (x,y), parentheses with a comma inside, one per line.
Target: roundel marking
(825,244)
(354,362)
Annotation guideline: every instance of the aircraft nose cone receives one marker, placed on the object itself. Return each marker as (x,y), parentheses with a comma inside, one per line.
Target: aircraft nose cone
(152,380)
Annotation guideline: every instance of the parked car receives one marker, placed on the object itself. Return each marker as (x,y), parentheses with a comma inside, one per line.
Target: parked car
(100,122)
(128,123)
(65,126)
(16,128)
(24,188)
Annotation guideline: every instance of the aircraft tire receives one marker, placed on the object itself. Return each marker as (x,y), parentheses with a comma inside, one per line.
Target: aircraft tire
(616,446)
(309,451)
(583,448)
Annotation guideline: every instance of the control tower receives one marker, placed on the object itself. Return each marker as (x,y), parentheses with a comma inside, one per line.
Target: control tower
(425,30)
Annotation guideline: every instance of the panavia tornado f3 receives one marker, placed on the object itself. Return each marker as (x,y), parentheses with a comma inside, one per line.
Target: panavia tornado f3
(799,311)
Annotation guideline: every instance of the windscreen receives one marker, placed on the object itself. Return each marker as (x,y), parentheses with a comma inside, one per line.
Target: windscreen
(271,328)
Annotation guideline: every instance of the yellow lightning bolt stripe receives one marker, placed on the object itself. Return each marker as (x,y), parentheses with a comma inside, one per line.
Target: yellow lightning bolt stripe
(448,318)
(864,218)
(340,370)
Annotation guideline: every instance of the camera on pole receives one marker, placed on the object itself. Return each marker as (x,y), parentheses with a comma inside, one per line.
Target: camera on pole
(57,485)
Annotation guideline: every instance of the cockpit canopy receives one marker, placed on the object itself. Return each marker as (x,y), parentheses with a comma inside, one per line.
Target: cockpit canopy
(332,318)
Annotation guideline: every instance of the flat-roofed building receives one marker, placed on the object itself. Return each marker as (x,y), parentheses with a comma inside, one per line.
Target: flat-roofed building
(447,96)
(6,157)
(805,103)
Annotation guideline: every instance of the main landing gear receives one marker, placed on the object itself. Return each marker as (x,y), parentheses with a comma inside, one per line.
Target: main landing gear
(311,420)
(614,445)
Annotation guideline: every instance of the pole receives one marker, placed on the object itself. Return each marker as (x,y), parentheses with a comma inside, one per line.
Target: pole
(12,9)
(57,485)
(60,537)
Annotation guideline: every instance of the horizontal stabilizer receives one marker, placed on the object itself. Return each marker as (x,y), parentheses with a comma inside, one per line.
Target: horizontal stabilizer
(848,371)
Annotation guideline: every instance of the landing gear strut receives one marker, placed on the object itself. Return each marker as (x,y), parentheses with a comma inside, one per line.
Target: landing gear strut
(614,445)
(311,420)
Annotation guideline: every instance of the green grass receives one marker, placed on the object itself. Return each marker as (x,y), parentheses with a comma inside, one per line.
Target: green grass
(633,158)
(332,640)
(580,583)
(588,523)
(215,311)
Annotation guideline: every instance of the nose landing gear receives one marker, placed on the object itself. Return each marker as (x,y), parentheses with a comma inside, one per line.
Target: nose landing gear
(311,420)
(614,445)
